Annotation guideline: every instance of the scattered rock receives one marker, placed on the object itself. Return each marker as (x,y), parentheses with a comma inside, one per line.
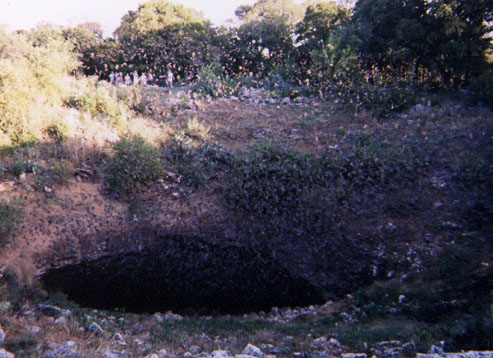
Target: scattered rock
(252,350)
(354,355)
(163,353)
(34,330)
(111,354)
(173,316)
(286,101)
(334,342)
(5,354)
(61,320)
(96,329)
(470,354)
(319,354)
(220,354)
(67,350)
(50,311)
(194,350)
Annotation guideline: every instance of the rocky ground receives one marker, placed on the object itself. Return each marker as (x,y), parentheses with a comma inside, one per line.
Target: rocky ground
(76,220)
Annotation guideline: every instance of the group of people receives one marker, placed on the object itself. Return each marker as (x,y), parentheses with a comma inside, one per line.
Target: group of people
(142,80)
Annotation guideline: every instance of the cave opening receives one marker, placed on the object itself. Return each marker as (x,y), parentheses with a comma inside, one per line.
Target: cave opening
(183,276)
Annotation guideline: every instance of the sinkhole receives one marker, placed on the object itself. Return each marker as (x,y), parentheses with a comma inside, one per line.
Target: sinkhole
(184,275)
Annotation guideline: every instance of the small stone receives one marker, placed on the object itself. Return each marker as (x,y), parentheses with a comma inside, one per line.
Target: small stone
(244,356)
(163,353)
(320,341)
(270,348)
(61,321)
(252,350)
(5,354)
(194,350)
(118,337)
(50,311)
(334,342)
(318,354)
(67,350)
(152,355)
(47,189)
(354,355)
(109,354)
(173,316)
(34,329)
(2,337)
(95,328)
(409,348)
(158,316)
(286,101)
(5,307)
(220,354)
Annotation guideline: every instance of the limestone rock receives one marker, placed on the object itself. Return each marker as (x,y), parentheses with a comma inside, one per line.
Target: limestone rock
(220,354)
(5,354)
(252,350)
(194,350)
(2,337)
(67,350)
(96,329)
(50,311)
(354,355)
(109,354)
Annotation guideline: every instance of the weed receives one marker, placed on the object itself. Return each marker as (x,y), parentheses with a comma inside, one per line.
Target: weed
(197,130)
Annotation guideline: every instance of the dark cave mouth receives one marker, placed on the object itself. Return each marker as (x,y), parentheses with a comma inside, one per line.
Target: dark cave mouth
(214,280)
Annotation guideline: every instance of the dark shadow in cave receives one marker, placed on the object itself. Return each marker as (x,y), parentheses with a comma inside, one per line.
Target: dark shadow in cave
(183,274)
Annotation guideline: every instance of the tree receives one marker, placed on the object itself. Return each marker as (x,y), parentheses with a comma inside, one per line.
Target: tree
(446,38)
(320,21)
(97,56)
(461,30)
(264,38)
(161,34)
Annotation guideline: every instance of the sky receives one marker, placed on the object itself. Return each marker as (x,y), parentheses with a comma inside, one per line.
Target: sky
(26,14)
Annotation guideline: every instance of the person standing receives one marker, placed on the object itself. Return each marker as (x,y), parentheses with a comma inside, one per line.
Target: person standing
(150,78)
(112,77)
(143,79)
(128,80)
(170,78)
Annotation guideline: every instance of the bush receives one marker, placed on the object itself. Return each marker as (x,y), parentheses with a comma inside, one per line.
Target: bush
(212,82)
(34,80)
(481,90)
(134,165)
(97,98)
(195,164)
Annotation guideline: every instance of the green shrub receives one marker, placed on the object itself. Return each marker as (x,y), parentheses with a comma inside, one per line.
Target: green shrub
(97,98)
(212,82)
(481,90)
(34,82)
(134,165)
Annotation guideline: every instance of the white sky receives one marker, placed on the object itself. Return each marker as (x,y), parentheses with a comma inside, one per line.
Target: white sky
(26,14)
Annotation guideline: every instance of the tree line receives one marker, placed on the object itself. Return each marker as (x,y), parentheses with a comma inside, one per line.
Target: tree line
(322,45)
